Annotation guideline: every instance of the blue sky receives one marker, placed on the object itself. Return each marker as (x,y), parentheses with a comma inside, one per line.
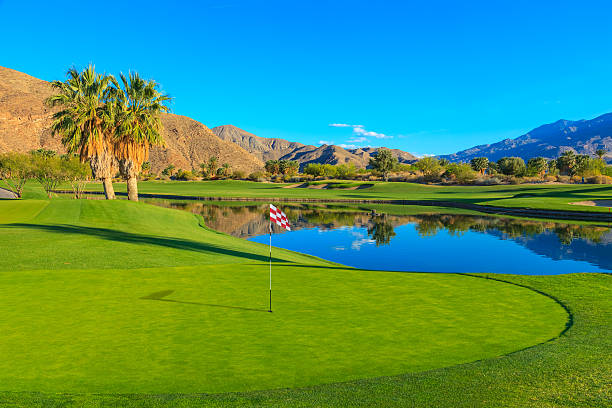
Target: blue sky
(430,77)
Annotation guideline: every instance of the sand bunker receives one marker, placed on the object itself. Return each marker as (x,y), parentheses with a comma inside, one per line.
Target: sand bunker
(6,193)
(595,203)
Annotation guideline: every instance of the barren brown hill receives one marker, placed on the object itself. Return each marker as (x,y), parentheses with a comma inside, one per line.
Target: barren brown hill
(281,149)
(25,125)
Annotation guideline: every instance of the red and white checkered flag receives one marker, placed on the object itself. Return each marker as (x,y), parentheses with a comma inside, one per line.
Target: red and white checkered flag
(279,217)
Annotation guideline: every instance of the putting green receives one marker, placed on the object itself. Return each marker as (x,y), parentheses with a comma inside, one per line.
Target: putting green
(102,297)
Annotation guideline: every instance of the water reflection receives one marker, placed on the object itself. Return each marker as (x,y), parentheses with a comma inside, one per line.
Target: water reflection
(448,242)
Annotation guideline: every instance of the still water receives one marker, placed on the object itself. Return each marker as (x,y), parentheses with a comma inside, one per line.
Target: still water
(423,241)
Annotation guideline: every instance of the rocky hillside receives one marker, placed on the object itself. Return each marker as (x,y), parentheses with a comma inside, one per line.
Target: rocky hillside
(25,125)
(280,149)
(581,136)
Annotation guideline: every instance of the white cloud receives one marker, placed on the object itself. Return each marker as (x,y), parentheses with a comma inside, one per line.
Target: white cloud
(361,131)
(357,139)
(348,146)
(327,142)
(343,125)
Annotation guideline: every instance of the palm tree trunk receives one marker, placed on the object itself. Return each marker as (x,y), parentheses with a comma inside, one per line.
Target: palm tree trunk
(127,167)
(109,191)
(132,188)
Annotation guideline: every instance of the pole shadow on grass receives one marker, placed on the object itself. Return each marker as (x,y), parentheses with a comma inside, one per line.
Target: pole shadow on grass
(128,237)
(162,294)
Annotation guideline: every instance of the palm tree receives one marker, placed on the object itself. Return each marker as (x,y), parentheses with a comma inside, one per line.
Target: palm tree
(138,108)
(212,166)
(83,122)
(226,169)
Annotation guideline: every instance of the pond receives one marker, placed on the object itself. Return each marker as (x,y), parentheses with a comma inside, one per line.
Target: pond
(422,241)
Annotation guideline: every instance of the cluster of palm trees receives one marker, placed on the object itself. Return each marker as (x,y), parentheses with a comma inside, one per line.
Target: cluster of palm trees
(110,123)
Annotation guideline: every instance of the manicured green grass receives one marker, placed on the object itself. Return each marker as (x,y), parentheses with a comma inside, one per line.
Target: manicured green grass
(118,297)
(544,196)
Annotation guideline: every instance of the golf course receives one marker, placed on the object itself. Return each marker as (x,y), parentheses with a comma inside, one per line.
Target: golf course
(116,303)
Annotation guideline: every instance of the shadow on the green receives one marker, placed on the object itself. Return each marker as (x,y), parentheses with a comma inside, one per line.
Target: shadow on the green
(162,294)
(128,237)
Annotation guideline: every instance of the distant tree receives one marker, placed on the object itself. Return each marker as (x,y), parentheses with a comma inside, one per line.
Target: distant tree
(43,152)
(587,166)
(429,166)
(224,170)
(460,172)
(314,169)
(537,166)
(76,173)
(346,170)
(444,162)
(272,166)
(293,168)
(566,163)
(384,162)
(286,167)
(146,167)
(511,166)
(492,168)
(184,175)
(479,164)
(169,171)
(15,170)
(600,153)
(47,171)
(552,166)
(238,174)
(381,231)
(204,169)
(213,165)
(330,171)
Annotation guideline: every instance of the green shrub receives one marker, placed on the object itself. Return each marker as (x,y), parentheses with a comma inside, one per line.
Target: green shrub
(184,175)
(511,166)
(460,173)
(257,176)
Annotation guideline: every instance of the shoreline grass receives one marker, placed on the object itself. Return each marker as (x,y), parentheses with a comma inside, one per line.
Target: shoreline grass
(536,196)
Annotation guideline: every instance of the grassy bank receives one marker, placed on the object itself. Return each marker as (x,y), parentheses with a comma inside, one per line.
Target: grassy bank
(541,196)
(124,304)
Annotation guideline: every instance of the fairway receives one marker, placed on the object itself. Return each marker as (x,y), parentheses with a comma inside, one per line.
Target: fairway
(147,301)
(539,196)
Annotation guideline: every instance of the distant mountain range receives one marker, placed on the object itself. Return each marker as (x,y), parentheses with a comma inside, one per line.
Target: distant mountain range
(280,149)
(581,136)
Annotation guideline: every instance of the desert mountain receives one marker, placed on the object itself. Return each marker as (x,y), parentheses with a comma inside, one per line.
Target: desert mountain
(550,140)
(25,125)
(280,149)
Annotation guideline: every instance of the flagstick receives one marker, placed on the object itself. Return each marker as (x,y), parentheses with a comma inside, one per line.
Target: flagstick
(270,308)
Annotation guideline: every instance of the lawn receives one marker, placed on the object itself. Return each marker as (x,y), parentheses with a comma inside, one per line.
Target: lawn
(127,304)
(541,196)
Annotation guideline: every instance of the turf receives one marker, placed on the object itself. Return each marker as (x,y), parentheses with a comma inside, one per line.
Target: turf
(541,196)
(118,297)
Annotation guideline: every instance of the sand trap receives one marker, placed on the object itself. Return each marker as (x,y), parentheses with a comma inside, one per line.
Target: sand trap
(595,203)
(359,187)
(4,193)
(293,185)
